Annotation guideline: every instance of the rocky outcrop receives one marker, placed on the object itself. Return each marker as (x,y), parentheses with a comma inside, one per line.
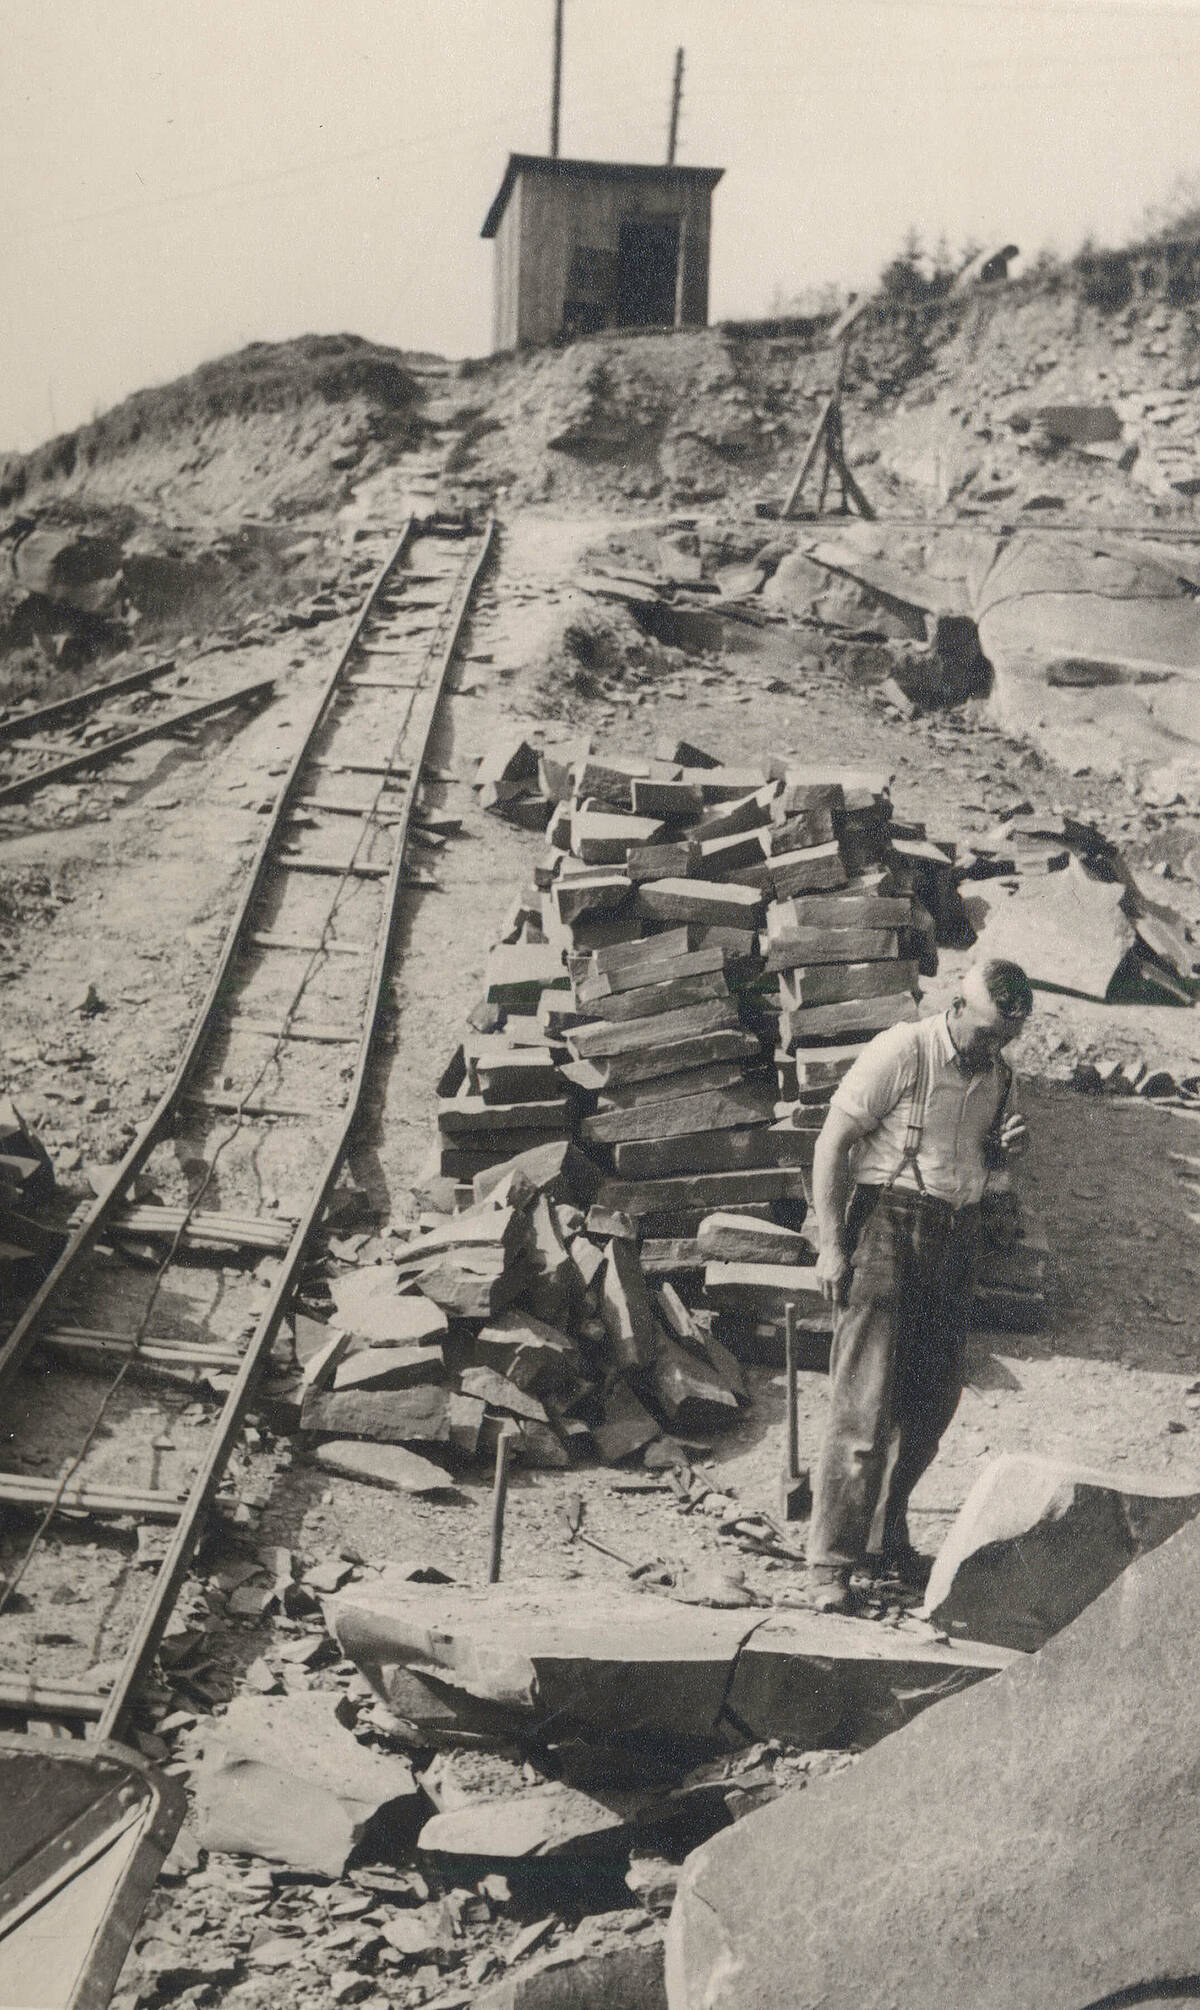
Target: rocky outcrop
(1033,1845)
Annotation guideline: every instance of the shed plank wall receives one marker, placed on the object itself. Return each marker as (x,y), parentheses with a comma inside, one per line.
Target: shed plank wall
(506,285)
(556,214)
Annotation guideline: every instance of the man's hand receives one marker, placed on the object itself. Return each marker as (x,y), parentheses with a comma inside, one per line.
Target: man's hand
(1014,1137)
(832,1273)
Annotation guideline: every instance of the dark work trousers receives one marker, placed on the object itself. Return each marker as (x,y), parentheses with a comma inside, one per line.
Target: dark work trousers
(896,1369)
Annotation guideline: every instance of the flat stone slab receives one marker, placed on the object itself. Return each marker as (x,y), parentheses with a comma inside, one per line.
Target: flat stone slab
(283,1779)
(625,1664)
(548,1820)
(391,1466)
(1037,1540)
(369,1305)
(815,1679)
(1031,1845)
(613,1662)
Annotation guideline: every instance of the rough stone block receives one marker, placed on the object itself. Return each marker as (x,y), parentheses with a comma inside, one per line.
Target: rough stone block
(625,1427)
(368,1305)
(689,1391)
(602,837)
(666,1088)
(550,1820)
(804,945)
(628,1977)
(471,1116)
(759,1289)
(680,860)
(717,1151)
(811,869)
(393,1417)
(666,993)
(671,1058)
(471,1283)
(680,1116)
(625,1307)
(817,1679)
(284,1780)
(836,1022)
(603,984)
(694,900)
(559,1170)
(652,1200)
(518,973)
(611,1662)
(1036,1540)
(390,1368)
(604,1037)
(830,983)
(736,1238)
(513,1074)
(528,1351)
(650,947)
(590,893)
(501,1394)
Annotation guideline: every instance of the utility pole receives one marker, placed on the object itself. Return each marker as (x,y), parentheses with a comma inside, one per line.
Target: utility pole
(676,95)
(556,85)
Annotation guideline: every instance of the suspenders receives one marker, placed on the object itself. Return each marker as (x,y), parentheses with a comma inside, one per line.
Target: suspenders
(920,1103)
(916,1121)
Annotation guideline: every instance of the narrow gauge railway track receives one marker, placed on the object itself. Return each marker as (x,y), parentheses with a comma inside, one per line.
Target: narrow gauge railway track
(81,734)
(188,1262)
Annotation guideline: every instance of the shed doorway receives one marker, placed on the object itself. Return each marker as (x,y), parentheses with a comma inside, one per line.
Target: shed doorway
(647,265)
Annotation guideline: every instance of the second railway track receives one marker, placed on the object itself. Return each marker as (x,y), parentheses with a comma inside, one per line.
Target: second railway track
(189,1261)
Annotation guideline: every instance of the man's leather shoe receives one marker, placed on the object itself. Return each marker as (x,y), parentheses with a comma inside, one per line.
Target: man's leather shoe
(828,1588)
(903,1565)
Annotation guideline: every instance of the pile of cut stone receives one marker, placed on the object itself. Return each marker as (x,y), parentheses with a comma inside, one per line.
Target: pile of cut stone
(626,1130)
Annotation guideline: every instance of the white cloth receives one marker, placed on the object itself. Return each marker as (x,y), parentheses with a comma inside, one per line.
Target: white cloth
(877,1095)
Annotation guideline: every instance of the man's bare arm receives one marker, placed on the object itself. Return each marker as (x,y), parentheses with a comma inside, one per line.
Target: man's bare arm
(831,1185)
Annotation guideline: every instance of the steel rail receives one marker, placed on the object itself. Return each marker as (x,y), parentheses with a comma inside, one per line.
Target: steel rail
(19,725)
(178,1556)
(108,1206)
(111,750)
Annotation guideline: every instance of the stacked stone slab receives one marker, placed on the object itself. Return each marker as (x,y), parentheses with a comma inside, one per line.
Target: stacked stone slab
(703,915)
(677,1011)
(848,940)
(502,1093)
(689,919)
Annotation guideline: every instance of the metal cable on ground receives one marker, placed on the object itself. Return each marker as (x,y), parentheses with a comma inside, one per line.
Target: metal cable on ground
(10,1586)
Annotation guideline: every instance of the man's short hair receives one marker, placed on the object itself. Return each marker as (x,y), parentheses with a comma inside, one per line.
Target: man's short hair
(1008,987)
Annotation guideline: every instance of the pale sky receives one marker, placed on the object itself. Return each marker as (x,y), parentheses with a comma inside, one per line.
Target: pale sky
(180,177)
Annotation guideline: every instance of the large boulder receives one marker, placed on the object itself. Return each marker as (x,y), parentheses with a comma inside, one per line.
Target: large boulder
(1032,1845)
(1036,1541)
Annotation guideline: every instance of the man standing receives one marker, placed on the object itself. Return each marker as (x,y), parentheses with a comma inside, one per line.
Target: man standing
(916,1124)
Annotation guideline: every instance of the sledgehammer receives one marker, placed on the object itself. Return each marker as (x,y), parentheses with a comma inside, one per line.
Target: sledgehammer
(795,1493)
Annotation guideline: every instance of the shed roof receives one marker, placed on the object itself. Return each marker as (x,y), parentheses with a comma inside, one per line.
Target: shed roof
(519,164)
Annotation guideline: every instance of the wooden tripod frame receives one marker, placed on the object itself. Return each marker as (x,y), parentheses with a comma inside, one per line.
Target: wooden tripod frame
(827,446)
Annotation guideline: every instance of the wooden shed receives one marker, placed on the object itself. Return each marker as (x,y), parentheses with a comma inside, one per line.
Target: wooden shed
(582,245)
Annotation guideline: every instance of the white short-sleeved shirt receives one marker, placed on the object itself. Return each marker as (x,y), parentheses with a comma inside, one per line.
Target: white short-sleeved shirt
(877,1094)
